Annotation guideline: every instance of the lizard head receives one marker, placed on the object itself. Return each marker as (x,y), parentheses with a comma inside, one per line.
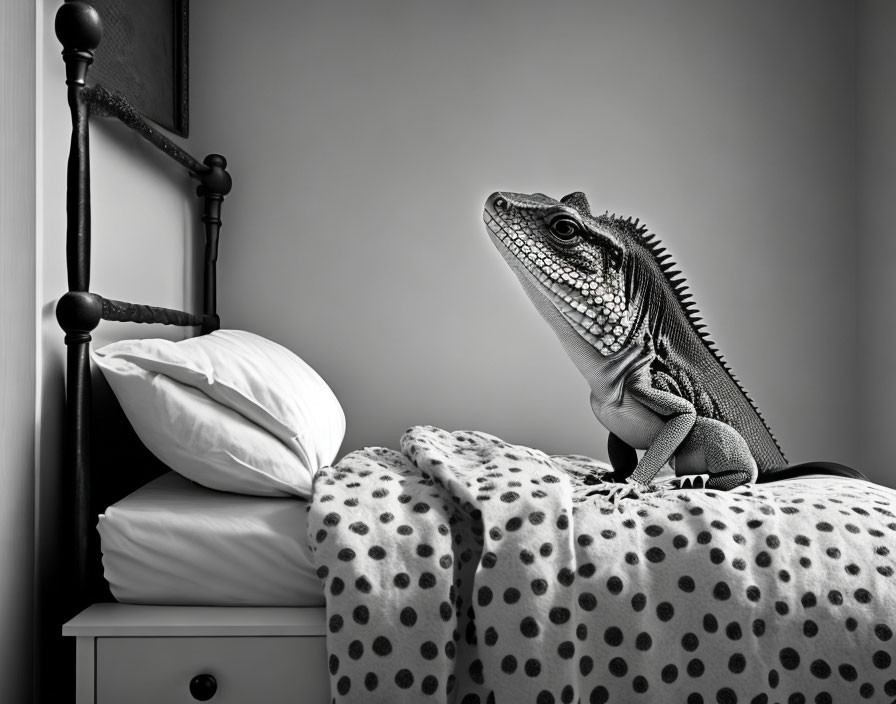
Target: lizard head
(573,260)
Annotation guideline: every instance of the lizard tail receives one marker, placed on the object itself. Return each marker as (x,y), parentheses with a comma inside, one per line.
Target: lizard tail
(806,468)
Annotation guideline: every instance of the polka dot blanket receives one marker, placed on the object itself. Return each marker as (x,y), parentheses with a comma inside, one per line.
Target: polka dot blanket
(466,569)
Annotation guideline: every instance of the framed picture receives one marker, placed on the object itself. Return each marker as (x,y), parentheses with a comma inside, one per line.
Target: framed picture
(144,56)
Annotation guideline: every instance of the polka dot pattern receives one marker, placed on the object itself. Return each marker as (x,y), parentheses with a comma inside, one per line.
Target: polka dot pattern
(462,568)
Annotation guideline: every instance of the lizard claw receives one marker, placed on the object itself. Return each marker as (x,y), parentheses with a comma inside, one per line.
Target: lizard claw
(694,482)
(624,490)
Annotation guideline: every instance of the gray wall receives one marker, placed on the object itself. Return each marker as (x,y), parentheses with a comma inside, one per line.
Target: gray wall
(876,188)
(17,355)
(364,138)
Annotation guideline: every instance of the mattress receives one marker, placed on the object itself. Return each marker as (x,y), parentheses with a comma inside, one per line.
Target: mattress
(174,542)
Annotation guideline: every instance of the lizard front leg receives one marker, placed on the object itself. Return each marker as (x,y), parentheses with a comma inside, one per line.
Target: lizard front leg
(666,417)
(679,416)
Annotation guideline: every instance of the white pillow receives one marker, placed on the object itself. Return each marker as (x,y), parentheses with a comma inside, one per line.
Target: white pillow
(239,372)
(202,440)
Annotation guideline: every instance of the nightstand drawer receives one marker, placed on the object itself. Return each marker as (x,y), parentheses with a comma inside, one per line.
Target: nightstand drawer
(266,669)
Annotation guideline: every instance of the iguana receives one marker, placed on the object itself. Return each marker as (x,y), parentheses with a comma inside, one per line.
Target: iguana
(623,314)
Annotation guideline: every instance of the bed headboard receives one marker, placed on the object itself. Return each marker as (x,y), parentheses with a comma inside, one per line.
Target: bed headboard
(79,311)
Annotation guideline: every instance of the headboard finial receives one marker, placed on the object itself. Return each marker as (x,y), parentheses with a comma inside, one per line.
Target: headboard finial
(79,30)
(216,179)
(78,26)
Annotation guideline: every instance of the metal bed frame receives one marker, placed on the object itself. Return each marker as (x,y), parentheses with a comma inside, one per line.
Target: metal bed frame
(79,311)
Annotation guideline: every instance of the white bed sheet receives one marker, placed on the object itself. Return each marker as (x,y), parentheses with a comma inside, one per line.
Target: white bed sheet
(175,542)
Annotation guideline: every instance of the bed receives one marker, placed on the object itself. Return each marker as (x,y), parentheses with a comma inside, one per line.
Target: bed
(210,626)
(455,567)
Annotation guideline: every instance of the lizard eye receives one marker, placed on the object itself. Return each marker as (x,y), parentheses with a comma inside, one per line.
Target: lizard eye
(565,231)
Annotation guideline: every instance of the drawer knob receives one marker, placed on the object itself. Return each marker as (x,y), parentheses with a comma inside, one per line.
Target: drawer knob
(203,687)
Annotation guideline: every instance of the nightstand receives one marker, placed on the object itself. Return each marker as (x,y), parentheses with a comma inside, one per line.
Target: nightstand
(185,654)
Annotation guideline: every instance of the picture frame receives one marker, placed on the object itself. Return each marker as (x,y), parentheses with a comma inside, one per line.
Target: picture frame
(144,55)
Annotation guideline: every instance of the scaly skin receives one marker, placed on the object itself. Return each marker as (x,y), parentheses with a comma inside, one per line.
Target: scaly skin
(657,382)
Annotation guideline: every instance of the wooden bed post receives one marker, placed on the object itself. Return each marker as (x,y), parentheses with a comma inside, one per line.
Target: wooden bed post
(79,29)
